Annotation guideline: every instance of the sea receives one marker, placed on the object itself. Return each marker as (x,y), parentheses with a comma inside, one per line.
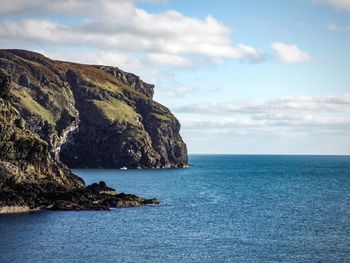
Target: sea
(224,208)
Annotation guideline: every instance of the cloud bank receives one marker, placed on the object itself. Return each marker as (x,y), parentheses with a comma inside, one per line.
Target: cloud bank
(168,38)
(337,28)
(340,4)
(301,116)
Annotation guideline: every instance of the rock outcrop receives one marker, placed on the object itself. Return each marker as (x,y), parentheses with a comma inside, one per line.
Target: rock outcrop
(54,114)
(93,116)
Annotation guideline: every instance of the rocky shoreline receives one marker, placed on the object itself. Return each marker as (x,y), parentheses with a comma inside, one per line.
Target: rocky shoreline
(34,197)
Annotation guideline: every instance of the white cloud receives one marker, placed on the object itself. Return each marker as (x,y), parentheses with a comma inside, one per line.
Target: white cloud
(65,7)
(179,91)
(305,127)
(169,38)
(167,59)
(153,1)
(335,27)
(340,4)
(98,57)
(290,53)
(292,124)
(286,116)
(275,107)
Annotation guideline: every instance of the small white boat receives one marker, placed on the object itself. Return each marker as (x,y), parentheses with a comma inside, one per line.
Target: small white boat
(124,168)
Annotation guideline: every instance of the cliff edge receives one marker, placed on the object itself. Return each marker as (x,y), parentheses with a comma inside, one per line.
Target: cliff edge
(56,114)
(92,116)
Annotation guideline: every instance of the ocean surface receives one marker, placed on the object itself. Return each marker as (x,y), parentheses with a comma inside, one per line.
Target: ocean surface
(238,208)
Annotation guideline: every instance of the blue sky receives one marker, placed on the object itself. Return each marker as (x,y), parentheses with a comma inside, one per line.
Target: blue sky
(241,76)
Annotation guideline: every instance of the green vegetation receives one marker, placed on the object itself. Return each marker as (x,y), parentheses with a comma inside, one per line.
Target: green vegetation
(139,135)
(161,117)
(104,85)
(30,62)
(34,107)
(116,110)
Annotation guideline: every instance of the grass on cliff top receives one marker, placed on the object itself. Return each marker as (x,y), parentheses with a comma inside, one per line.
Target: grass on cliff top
(30,62)
(101,78)
(116,110)
(104,85)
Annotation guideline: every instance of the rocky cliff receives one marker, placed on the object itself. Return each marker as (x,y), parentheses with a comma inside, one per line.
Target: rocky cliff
(84,116)
(92,116)
(31,178)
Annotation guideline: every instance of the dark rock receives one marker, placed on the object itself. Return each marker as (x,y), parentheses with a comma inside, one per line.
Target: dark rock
(92,116)
(152,201)
(80,113)
(100,188)
(130,80)
(5,81)
(50,197)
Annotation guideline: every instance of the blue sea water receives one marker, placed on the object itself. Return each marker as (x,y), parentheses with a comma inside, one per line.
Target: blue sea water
(223,209)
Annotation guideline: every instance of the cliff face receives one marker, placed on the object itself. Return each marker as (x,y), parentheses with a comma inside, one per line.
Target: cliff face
(24,156)
(26,167)
(87,116)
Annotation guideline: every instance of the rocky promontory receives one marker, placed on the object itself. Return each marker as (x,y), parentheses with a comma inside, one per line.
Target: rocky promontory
(92,116)
(58,115)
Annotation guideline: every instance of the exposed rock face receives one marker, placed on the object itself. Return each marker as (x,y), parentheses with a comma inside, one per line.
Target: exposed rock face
(23,155)
(86,116)
(5,81)
(131,80)
(92,116)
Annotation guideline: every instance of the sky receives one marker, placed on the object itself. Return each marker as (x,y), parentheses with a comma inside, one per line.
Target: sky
(243,77)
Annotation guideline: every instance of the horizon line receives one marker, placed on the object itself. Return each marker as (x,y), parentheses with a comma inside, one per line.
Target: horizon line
(271,154)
